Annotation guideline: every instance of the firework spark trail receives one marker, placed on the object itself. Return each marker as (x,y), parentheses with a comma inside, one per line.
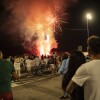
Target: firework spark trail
(38,20)
(44,27)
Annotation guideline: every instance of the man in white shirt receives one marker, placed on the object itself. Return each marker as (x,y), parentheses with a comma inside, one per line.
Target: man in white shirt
(28,66)
(17,67)
(37,62)
(88,74)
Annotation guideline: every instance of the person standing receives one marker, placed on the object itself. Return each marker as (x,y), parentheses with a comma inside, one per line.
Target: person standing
(62,70)
(77,58)
(37,62)
(6,70)
(88,74)
(17,67)
(29,66)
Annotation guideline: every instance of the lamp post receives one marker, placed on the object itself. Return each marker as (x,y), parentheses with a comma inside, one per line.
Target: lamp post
(88,17)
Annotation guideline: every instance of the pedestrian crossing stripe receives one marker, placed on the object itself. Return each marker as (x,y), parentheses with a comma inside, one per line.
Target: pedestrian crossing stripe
(14,85)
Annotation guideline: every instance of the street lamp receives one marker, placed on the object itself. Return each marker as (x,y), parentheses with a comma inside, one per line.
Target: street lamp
(88,17)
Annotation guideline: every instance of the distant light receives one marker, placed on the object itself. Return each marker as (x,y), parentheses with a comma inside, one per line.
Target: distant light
(89,16)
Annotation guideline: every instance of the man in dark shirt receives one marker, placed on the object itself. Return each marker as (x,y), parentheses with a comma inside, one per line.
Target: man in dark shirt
(6,70)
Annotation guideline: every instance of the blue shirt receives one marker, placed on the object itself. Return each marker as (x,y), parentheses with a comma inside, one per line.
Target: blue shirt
(64,66)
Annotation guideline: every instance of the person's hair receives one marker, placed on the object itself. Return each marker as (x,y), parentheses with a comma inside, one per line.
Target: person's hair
(94,44)
(65,56)
(80,58)
(1,55)
(75,61)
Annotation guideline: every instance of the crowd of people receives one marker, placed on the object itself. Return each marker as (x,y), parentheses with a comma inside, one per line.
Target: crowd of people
(80,77)
(34,65)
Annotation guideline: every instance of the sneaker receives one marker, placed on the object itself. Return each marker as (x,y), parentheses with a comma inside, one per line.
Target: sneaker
(12,81)
(63,97)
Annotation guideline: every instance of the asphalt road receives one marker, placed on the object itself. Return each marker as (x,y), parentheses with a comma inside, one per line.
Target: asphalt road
(38,88)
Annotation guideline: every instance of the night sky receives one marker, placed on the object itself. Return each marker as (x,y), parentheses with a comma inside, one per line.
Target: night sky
(73,33)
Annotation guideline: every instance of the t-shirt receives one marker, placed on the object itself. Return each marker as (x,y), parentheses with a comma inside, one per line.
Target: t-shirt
(37,61)
(6,69)
(28,63)
(64,66)
(88,76)
(17,64)
(45,61)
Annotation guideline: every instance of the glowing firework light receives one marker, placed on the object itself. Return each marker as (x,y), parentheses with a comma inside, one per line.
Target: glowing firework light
(45,27)
(38,20)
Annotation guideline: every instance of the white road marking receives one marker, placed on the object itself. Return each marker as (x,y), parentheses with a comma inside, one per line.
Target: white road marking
(16,84)
(20,84)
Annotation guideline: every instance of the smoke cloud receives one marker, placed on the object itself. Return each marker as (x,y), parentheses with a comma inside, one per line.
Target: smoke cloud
(36,21)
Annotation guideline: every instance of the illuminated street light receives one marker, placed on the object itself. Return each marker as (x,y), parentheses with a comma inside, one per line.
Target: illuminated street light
(88,17)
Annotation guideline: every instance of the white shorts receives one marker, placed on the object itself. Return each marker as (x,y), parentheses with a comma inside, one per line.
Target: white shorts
(28,68)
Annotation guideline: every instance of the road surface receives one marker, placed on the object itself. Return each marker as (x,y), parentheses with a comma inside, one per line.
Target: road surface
(38,88)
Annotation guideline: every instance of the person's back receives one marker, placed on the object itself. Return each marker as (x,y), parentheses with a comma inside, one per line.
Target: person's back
(45,61)
(92,85)
(5,75)
(6,70)
(17,64)
(64,67)
(37,61)
(76,59)
(28,63)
